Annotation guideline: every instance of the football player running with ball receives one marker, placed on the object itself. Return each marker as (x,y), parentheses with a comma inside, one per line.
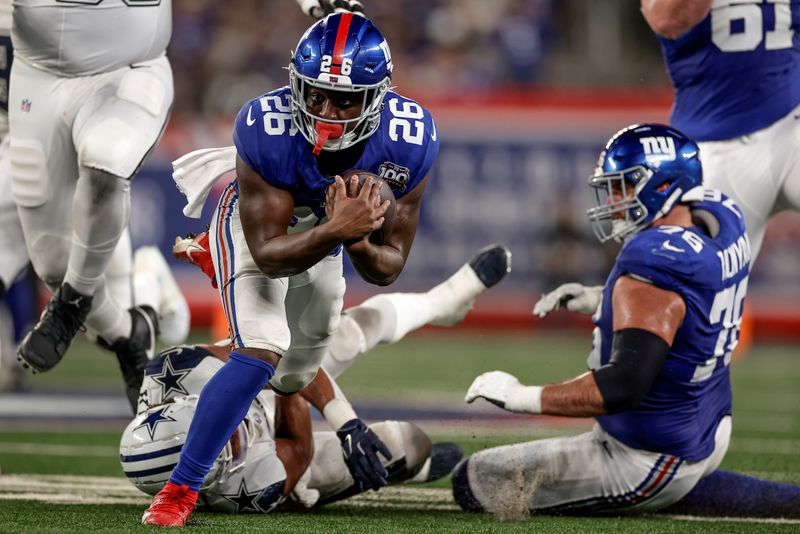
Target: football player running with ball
(277,244)
(666,324)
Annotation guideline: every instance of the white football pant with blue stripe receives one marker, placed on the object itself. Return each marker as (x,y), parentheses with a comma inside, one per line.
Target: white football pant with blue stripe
(590,473)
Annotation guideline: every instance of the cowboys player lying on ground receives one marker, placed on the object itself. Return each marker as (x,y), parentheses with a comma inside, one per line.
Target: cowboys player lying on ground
(273,452)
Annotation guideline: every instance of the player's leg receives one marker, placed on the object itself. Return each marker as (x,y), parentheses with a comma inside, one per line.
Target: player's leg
(114,130)
(788,140)
(155,286)
(742,169)
(254,308)
(589,474)
(727,494)
(387,318)
(328,474)
(119,272)
(13,254)
(43,167)
(313,311)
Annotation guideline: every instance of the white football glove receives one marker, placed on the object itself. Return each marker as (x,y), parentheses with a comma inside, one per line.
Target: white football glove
(504,390)
(575,297)
(320,8)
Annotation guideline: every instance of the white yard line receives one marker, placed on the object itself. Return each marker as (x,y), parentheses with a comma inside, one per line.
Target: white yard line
(116,490)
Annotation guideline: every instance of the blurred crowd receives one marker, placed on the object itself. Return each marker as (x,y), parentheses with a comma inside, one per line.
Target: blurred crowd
(224,53)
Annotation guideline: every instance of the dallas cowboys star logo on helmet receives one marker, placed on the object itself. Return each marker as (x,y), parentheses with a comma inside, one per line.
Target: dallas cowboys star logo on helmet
(245,500)
(152,421)
(170,380)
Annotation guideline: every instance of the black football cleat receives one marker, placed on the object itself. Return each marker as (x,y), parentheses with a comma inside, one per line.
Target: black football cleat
(444,457)
(491,264)
(48,341)
(135,351)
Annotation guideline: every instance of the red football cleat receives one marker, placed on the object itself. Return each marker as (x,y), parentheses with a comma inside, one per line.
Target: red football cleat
(171,506)
(194,249)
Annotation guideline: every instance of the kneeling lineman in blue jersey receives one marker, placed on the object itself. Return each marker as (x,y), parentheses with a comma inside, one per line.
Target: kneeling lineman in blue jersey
(666,322)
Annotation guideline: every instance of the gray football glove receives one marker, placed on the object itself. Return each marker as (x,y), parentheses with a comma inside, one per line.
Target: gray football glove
(320,8)
(575,297)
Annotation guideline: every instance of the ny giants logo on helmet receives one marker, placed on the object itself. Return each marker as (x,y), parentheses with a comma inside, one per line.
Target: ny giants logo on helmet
(658,149)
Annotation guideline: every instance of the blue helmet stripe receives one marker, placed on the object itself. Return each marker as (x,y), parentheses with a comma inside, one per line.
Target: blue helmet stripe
(154,471)
(150,455)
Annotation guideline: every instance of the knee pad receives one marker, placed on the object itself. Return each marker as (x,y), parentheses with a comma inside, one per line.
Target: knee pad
(110,145)
(287,382)
(462,493)
(30,179)
(348,341)
(122,135)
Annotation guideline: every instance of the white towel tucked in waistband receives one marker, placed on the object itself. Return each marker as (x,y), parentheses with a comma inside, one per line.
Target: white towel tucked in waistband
(196,172)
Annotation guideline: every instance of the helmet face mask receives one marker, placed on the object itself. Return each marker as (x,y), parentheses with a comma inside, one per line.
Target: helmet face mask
(642,173)
(343,53)
(356,129)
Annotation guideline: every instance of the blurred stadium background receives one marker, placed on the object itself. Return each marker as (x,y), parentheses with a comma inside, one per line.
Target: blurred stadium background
(525,93)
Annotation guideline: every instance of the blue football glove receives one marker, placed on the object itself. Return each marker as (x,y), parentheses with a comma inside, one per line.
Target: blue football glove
(360,446)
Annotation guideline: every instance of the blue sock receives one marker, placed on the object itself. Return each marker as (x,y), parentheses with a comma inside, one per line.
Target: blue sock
(223,403)
(723,493)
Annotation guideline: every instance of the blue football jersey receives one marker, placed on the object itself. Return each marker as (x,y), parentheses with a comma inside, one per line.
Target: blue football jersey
(401,151)
(680,413)
(737,71)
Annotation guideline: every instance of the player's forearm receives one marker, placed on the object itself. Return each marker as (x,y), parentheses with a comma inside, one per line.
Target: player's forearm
(292,419)
(579,397)
(329,400)
(291,254)
(672,18)
(377,264)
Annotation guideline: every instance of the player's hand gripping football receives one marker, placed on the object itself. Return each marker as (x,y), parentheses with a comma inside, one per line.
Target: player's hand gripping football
(360,446)
(354,213)
(504,390)
(575,297)
(320,8)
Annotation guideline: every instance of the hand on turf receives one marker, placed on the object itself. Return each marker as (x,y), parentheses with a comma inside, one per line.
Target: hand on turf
(575,297)
(504,390)
(321,8)
(360,446)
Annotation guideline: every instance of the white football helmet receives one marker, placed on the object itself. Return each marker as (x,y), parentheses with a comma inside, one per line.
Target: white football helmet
(152,442)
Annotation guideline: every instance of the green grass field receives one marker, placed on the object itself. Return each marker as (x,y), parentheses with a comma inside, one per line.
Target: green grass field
(43,487)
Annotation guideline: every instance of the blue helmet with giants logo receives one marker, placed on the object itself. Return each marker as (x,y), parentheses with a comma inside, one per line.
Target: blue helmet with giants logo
(343,52)
(644,170)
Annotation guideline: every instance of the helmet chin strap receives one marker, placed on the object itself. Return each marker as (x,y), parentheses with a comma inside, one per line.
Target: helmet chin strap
(325,131)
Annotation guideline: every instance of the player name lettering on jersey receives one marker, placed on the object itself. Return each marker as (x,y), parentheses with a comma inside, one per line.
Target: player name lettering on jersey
(735,257)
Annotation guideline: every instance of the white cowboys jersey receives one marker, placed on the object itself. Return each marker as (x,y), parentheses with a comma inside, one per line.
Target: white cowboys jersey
(85,37)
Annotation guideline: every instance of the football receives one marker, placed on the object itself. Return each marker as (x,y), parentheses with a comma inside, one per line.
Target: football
(378,236)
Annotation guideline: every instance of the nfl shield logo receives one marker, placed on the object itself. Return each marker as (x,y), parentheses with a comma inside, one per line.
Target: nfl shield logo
(25,107)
